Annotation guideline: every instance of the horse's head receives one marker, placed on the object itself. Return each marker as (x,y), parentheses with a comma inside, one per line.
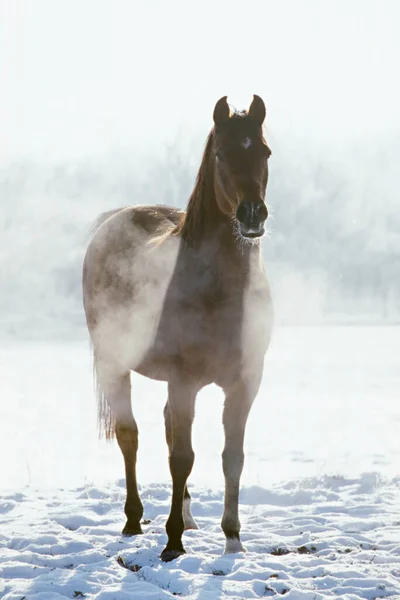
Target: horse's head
(241,165)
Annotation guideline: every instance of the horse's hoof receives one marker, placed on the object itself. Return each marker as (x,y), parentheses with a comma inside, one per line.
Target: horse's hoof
(129,531)
(234,545)
(168,555)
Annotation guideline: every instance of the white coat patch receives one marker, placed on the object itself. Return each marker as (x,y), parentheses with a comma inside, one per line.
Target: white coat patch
(246,143)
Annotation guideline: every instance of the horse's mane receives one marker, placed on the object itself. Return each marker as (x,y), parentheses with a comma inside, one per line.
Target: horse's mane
(192,221)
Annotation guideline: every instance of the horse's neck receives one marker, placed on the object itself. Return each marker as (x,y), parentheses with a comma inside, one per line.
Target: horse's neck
(209,231)
(219,251)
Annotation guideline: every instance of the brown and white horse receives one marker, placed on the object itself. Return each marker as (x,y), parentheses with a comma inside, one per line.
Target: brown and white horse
(182,297)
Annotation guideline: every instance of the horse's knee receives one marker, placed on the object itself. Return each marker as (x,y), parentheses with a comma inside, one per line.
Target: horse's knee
(181,462)
(127,436)
(126,428)
(232,463)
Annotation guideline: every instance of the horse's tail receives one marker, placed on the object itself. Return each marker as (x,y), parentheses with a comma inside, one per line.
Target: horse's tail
(105,416)
(105,378)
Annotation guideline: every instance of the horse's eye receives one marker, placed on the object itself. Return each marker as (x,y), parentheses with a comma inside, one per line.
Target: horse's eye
(220,155)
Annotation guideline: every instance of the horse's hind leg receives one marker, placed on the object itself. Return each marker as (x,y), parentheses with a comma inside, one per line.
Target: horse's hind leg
(188,521)
(127,437)
(117,415)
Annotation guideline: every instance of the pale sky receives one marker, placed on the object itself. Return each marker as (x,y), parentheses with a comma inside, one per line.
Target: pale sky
(84,76)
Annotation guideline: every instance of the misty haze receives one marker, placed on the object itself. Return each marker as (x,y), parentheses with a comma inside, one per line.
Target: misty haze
(107,104)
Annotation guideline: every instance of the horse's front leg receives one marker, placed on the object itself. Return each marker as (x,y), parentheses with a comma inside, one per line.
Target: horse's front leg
(181,400)
(188,521)
(238,401)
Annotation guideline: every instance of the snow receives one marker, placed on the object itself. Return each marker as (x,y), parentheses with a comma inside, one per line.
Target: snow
(319,505)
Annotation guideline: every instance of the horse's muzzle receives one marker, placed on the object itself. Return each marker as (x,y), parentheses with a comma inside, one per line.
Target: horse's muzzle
(251,217)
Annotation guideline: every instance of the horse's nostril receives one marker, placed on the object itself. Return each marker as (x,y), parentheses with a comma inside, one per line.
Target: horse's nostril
(261,211)
(252,213)
(242,212)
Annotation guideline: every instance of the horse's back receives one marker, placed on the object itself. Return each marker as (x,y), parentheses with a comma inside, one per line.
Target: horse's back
(132,219)
(121,232)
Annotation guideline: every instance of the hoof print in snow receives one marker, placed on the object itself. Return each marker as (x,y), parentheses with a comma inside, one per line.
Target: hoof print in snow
(305,550)
(280,551)
(145,522)
(272,592)
(218,573)
(122,563)
(345,551)
(168,555)
(79,595)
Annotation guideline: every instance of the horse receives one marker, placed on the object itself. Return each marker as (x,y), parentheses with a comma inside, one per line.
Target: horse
(182,297)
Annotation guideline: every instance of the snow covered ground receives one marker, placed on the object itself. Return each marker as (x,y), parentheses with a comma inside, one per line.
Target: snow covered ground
(320,504)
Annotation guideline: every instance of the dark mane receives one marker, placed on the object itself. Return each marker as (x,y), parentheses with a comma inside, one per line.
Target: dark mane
(191,224)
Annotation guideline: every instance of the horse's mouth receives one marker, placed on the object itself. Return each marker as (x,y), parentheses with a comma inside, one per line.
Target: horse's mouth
(251,232)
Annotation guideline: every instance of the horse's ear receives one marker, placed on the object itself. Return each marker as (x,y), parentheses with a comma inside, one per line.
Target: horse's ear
(257,110)
(221,111)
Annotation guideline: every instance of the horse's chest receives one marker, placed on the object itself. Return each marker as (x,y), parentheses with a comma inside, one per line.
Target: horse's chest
(203,320)
(208,318)
(214,322)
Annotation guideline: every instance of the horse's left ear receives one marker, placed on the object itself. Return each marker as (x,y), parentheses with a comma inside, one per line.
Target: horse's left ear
(257,110)
(221,111)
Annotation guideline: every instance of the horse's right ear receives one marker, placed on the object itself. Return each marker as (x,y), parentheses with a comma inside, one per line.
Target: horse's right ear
(257,110)
(221,111)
